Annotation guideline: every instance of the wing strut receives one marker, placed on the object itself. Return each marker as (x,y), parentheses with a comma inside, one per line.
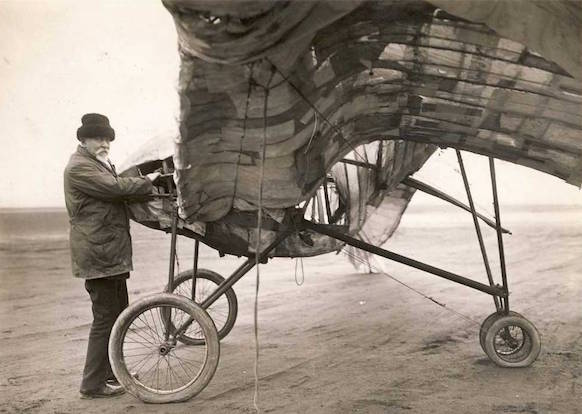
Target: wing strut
(478,229)
(425,188)
(500,293)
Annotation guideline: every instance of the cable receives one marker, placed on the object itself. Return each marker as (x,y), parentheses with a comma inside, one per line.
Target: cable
(454,168)
(317,111)
(418,292)
(258,245)
(240,152)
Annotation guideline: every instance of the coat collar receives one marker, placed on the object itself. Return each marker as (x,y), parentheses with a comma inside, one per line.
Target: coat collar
(83,152)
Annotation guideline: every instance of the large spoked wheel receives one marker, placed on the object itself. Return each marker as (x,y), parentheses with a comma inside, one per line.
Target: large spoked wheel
(512,341)
(223,312)
(152,362)
(487,324)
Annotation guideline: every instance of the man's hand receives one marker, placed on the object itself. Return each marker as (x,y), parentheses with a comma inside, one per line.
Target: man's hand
(153,176)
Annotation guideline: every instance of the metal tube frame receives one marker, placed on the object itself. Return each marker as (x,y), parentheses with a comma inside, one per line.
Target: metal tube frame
(168,314)
(234,277)
(500,293)
(330,231)
(477,227)
(425,188)
(505,298)
(195,268)
(243,269)
(173,239)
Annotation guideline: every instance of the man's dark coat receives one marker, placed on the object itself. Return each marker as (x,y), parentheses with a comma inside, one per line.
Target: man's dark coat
(99,237)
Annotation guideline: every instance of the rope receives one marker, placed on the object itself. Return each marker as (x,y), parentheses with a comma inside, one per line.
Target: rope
(247,104)
(418,292)
(297,260)
(258,245)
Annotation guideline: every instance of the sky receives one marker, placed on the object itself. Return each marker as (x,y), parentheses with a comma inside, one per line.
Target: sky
(60,59)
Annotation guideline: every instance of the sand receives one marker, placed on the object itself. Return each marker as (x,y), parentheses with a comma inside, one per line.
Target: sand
(342,342)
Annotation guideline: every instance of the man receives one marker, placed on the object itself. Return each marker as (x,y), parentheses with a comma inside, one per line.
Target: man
(100,241)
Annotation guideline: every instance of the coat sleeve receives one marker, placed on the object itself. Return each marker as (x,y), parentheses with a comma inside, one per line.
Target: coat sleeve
(103,185)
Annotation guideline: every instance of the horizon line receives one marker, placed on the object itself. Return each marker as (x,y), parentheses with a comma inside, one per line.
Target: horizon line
(63,208)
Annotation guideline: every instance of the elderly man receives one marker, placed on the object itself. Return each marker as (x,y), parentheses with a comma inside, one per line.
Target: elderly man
(100,241)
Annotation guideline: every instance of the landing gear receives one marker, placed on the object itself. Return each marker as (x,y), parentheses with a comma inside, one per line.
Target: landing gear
(510,341)
(151,345)
(507,337)
(487,324)
(149,357)
(223,312)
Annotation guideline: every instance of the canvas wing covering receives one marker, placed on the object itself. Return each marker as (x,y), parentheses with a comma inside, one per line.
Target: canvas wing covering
(275,94)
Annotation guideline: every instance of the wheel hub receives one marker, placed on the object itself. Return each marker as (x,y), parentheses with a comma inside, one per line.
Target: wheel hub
(165,348)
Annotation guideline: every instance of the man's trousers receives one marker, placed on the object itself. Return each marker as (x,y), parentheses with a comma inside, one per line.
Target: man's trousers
(109,298)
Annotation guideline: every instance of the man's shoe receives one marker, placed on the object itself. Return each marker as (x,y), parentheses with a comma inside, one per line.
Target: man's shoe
(114,382)
(105,391)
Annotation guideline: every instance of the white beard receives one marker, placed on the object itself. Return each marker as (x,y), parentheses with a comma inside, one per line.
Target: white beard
(103,158)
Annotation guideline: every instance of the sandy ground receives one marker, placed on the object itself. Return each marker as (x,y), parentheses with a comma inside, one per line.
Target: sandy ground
(343,342)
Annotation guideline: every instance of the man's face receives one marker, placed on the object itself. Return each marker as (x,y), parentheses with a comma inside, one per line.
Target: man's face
(98,147)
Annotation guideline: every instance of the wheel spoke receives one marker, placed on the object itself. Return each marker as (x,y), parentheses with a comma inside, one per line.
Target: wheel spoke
(192,361)
(168,377)
(145,339)
(141,362)
(147,328)
(510,340)
(182,365)
(158,373)
(137,355)
(159,333)
(167,370)
(178,323)
(144,375)
(222,311)
(203,289)
(175,372)
(141,358)
(139,343)
(214,311)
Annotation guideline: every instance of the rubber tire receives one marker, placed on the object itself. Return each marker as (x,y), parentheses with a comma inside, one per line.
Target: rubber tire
(530,350)
(230,296)
(131,384)
(487,324)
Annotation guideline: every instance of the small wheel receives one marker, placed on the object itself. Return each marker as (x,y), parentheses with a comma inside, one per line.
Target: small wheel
(223,312)
(512,341)
(487,324)
(150,361)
